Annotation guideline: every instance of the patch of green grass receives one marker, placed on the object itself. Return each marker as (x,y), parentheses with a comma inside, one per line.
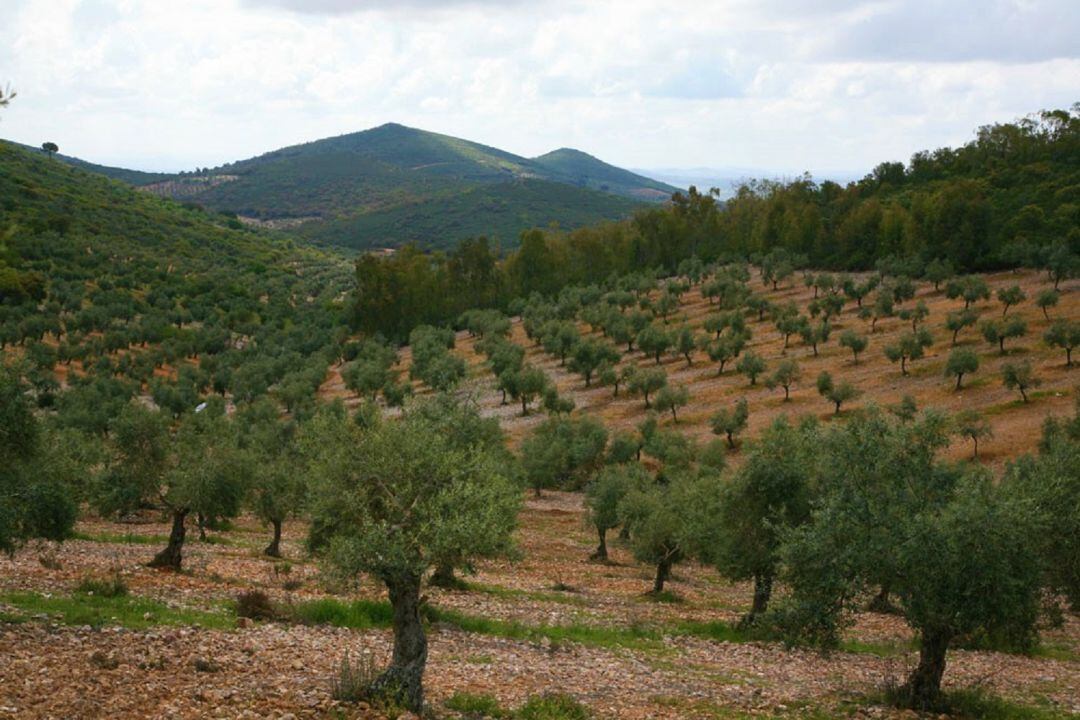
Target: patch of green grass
(561,596)
(476,705)
(358,614)
(136,613)
(979,704)
(552,706)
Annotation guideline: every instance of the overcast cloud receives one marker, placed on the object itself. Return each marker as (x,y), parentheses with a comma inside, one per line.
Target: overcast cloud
(781,85)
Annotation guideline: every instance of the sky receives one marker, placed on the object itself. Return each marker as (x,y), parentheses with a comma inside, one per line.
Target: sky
(826,86)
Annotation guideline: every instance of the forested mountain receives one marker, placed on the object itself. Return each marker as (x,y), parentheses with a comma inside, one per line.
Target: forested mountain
(134,294)
(394,184)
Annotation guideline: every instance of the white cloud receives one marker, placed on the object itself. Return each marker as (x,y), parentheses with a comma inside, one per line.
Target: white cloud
(774,84)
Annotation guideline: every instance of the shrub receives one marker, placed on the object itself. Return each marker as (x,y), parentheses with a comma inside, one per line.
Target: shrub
(256,605)
(107,586)
(354,681)
(476,705)
(553,706)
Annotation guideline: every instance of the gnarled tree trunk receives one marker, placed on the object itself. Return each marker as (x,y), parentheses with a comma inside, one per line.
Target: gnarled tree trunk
(274,548)
(170,557)
(663,572)
(601,549)
(763,583)
(403,680)
(924,685)
(444,576)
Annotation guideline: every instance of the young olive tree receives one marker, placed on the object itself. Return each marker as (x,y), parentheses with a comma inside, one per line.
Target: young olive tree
(672,397)
(395,500)
(655,514)
(1020,376)
(772,490)
(960,363)
(787,373)
(751,365)
(730,421)
(562,452)
(197,469)
(603,495)
(1064,334)
(854,342)
(837,394)
(277,488)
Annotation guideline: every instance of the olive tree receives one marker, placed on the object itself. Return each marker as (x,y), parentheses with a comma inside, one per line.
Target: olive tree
(957,321)
(996,333)
(770,491)
(1047,299)
(277,488)
(962,569)
(1064,334)
(590,355)
(787,373)
(36,479)
(671,398)
(961,363)
(563,452)
(910,346)
(655,514)
(1019,376)
(730,421)
(854,342)
(647,381)
(1047,485)
(751,365)
(837,394)
(198,468)
(395,500)
(1010,296)
(972,425)
(603,495)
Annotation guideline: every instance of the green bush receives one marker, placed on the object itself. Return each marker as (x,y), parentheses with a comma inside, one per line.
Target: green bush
(552,706)
(475,705)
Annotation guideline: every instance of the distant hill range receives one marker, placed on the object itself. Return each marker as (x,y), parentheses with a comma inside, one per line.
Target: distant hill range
(394,184)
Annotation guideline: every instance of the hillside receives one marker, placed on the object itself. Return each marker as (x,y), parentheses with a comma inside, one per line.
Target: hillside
(1016,424)
(403,177)
(496,210)
(588,171)
(114,293)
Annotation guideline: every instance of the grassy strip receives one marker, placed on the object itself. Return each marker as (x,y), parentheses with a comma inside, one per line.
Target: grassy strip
(136,613)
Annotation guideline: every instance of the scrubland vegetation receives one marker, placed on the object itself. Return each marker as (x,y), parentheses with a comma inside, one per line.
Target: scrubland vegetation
(803,430)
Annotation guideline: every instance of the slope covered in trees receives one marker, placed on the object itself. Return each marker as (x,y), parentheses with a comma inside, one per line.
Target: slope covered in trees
(111,293)
(393,184)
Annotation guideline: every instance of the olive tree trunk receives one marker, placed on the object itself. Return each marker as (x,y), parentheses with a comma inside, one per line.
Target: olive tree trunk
(924,685)
(170,557)
(403,680)
(601,549)
(763,584)
(274,548)
(663,572)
